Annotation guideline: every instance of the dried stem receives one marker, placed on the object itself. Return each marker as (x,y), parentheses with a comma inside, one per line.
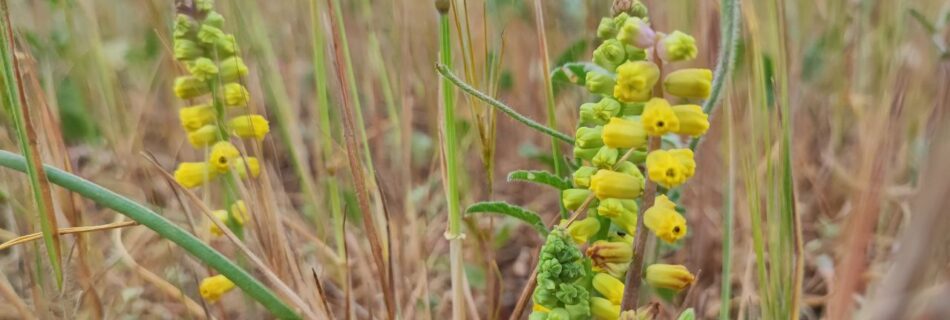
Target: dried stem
(631,290)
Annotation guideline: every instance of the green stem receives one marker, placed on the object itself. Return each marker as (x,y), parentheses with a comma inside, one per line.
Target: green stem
(447,74)
(549,92)
(450,152)
(728,221)
(166,229)
(731,25)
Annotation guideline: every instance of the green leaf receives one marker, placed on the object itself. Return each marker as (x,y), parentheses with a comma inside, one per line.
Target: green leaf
(573,73)
(501,207)
(539,177)
(687,314)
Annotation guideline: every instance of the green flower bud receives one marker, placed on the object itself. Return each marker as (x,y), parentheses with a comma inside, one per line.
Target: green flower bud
(599,83)
(209,34)
(587,137)
(186,49)
(622,212)
(689,83)
(187,87)
(585,153)
(606,108)
(605,158)
(639,10)
(581,177)
(236,95)
(610,54)
(214,19)
(589,116)
(233,69)
(204,5)
(203,68)
(677,46)
(635,54)
(226,46)
(631,169)
(582,230)
(606,29)
(559,314)
(184,27)
(636,32)
(632,109)
(573,198)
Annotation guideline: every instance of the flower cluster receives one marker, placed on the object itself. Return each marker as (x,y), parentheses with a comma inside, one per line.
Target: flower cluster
(216,112)
(561,292)
(613,143)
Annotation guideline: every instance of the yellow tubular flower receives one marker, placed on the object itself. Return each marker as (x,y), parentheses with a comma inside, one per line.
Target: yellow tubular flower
(635,80)
(629,168)
(658,117)
(249,126)
(203,68)
(239,212)
(233,69)
(613,208)
(669,276)
(611,184)
(617,270)
(187,87)
(693,121)
(204,136)
(193,174)
(186,49)
(603,252)
(623,133)
(213,287)
(685,158)
(665,169)
(222,216)
(663,219)
(573,198)
(236,95)
(222,154)
(689,83)
(603,309)
(609,287)
(582,230)
(243,165)
(194,117)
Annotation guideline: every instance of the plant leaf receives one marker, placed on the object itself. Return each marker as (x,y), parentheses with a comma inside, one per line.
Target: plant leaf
(572,73)
(501,207)
(539,177)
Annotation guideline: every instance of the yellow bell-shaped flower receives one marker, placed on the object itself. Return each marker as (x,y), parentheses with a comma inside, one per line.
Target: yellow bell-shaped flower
(658,117)
(602,252)
(220,215)
(582,230)
(194,117)
(204,136)
(622,212)
(193,174)
(663,219)
(239,212)
(203,69)
(611,184)
(667,168)
(685,158)
(693,121)
(668,276)
(689,83)
(677,46)
(635,80)
(236,95)
(623,133)
(212,288)
(616,270)
(187,87)
(606,157)
(249,126)
(609,287)
(247,167)
(233,69)
(603,309)
(573,198)
(222,155)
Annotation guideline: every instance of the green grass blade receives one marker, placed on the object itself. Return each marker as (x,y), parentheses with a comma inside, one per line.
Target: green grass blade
(166,229)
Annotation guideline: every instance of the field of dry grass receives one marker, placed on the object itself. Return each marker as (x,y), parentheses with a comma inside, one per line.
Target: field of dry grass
(820,190)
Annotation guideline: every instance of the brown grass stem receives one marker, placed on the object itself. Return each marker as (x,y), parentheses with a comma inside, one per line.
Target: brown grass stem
(631,290)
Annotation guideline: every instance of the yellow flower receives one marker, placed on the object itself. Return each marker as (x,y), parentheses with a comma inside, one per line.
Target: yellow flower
(222,154)
(573,198)
(658,117)
(636,32)
(581,177)
(236,95)
(220,215)
(629,168)
(623,133)
(606,157)
(249,126)
(667,168)
(233,68)
(685,158)
(663,219)
(239,212)
(203,69)
(194,117)
(689,83)
(622,212)
(204,136)
(635,80)
(186,49)
(602,252)
(582,230)
(611,184)
(675,277)
(213,287)
(617,270)
(693,121)
(193,174)
(603,309)
(587,137)
(677,46)
(609,287)
(187,87)
(244,164)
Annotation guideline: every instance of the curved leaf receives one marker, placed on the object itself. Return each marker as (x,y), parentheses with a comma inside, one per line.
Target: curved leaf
(539,177)
(501,207)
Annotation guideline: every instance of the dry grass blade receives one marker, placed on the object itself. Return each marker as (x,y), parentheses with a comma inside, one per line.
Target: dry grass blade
(70,230)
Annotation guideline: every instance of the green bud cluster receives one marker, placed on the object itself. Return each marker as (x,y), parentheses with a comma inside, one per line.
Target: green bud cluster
(563,281)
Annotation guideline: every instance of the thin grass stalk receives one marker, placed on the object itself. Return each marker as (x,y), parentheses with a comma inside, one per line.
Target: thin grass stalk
(728,218)
(730,17)
(548,88)
(447,74)
(450,170)
(166,229)
(326,131)
(17,107)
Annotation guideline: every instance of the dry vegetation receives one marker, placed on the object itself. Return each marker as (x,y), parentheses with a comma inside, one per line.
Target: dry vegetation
(828,149)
